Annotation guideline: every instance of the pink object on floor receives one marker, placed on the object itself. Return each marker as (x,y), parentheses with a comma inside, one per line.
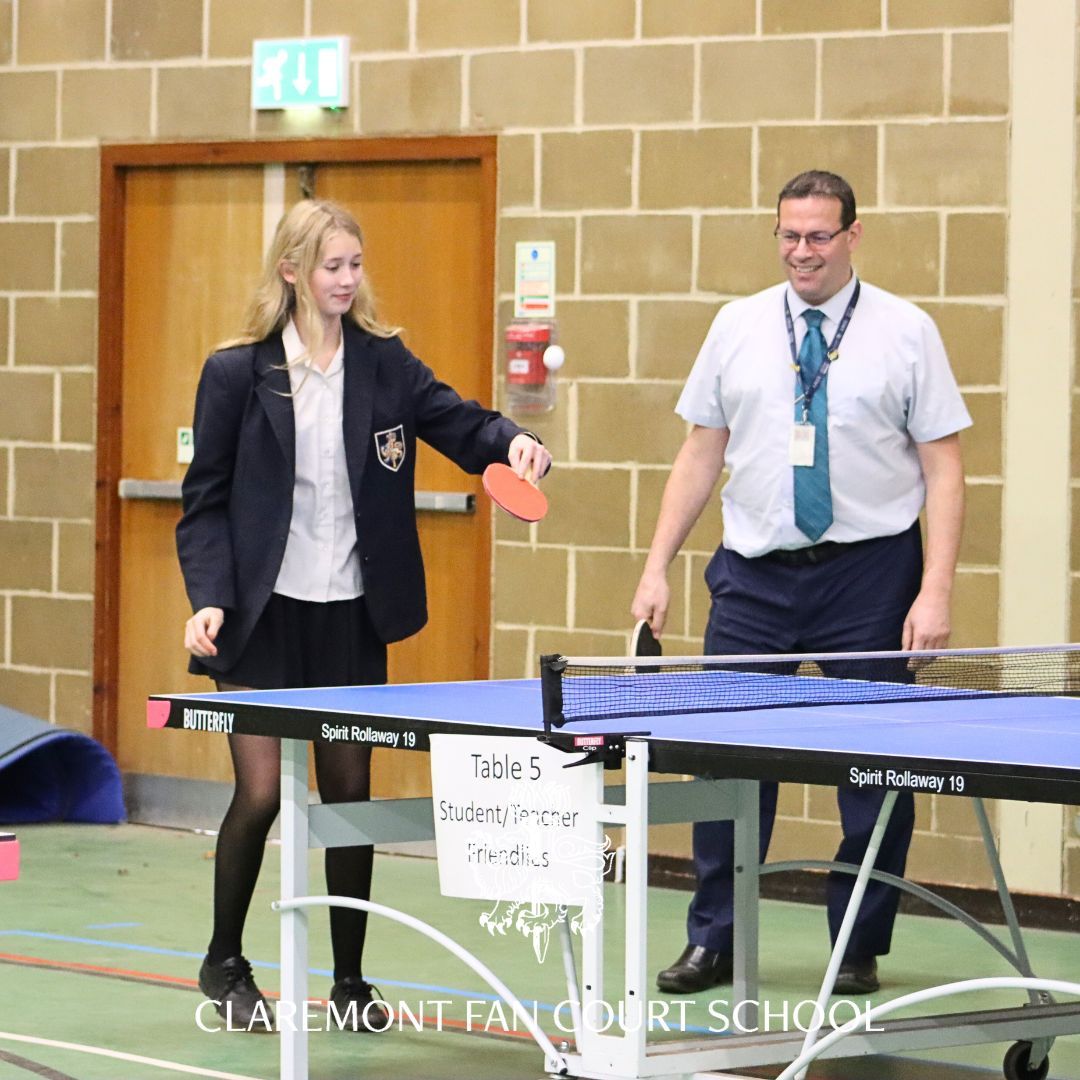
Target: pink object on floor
(9,857)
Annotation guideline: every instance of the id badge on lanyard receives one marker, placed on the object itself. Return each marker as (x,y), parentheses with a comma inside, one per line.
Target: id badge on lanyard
(803,433)
(801,447)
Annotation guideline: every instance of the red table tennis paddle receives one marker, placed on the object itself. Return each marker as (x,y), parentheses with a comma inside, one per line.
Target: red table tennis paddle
(511,493)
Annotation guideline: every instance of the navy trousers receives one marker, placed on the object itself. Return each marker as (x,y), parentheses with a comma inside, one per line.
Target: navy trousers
(855,602)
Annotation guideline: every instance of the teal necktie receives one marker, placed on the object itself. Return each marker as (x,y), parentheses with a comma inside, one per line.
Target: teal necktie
(813,498)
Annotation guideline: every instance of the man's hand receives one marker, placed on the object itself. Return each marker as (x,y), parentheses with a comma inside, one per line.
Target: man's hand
(528,458)
(201,630)
(927,623)
(651,601)
(697,467)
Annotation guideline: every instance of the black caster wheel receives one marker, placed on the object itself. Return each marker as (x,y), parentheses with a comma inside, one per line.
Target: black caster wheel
(1017,1064)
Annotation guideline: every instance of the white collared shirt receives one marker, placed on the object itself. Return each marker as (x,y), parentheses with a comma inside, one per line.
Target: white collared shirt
(321,561)
(890,388)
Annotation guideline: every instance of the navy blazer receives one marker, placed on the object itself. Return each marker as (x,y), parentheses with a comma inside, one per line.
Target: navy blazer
(237,494)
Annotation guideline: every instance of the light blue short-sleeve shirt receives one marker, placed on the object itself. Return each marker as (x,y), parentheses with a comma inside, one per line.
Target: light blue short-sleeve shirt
(890,388)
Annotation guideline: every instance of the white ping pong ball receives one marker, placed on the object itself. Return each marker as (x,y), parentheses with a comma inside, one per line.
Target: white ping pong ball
(554,357)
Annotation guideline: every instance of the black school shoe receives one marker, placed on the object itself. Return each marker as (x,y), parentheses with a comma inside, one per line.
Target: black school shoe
(356,1008)
(239,1002)
(857,976)
(696,969)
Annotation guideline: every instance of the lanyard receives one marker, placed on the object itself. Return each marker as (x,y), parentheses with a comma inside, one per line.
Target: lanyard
(831,353)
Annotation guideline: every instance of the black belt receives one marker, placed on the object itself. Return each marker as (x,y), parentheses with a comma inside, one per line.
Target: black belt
(816,553)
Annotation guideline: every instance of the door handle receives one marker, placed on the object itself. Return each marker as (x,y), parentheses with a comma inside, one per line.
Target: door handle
(149,489)
(436,502)
(446,502)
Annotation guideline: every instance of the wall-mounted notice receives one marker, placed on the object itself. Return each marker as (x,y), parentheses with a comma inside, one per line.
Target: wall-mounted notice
(534,280)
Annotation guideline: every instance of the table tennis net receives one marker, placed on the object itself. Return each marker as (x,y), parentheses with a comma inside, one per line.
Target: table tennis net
(607,688)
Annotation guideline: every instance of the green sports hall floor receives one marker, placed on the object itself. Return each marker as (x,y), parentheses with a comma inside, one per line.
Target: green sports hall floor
(101,938)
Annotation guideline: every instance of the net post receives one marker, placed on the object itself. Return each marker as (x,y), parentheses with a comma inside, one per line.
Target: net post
(552,665)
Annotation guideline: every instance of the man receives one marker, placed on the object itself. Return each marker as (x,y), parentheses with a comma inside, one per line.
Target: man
(830,465)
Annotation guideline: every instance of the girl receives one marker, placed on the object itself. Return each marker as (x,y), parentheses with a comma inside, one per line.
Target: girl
(299,549)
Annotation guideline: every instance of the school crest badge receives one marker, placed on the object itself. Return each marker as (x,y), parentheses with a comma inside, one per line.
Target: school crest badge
(391,447)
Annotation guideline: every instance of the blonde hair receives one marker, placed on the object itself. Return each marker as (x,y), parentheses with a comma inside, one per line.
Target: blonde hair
(298,242)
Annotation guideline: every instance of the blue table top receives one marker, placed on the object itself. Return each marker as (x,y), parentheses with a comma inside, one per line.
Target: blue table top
(1036,732)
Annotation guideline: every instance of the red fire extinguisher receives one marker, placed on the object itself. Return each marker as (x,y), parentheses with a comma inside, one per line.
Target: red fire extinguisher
(532,358)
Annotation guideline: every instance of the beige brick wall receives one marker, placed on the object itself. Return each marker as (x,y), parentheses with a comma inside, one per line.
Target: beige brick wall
(648,138)
(48,210)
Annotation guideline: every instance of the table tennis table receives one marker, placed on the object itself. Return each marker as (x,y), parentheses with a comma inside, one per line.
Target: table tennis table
(1005,743)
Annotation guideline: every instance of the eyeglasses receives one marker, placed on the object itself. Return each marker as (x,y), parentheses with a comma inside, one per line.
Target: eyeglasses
(815,239)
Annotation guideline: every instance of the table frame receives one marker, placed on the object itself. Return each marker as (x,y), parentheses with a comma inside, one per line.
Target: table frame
(630,1056)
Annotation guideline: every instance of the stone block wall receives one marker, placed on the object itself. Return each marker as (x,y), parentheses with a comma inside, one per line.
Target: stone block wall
(648,138)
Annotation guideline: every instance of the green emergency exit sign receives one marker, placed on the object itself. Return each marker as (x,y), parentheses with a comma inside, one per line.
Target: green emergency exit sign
(290,73)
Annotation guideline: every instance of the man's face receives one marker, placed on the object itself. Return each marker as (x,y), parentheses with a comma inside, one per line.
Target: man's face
(817,270)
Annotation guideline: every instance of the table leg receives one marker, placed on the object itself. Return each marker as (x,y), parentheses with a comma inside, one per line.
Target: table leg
(573,994)
(294,922)
(1039,1047)
(844,934)
(746,899)
(592,941)
(636,975)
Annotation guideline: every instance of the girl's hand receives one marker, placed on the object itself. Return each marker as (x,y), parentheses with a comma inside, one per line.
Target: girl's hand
(528,458)
(201,630)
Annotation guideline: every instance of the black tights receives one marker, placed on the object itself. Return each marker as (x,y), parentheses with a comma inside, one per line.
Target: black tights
(343,775)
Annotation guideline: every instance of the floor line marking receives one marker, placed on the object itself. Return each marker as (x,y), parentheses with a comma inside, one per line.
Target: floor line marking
(477,995)
(117,1055)
(97,969)
(127,946)
(34,1067)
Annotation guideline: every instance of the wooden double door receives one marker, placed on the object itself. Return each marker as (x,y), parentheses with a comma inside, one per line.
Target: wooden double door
(182,247)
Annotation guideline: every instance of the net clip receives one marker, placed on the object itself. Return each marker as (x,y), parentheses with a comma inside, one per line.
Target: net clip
(606,749)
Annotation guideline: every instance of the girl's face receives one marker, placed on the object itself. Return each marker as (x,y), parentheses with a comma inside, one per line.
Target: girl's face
(337,275)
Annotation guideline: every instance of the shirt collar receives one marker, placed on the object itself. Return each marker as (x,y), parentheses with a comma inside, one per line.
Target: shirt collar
(294,350)
(833,308)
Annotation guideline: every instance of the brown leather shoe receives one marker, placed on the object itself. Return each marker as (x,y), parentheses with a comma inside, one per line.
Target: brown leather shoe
(857,976)
(697,968)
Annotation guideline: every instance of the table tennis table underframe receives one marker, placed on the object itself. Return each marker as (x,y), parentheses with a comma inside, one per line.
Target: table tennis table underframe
(629,1056)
